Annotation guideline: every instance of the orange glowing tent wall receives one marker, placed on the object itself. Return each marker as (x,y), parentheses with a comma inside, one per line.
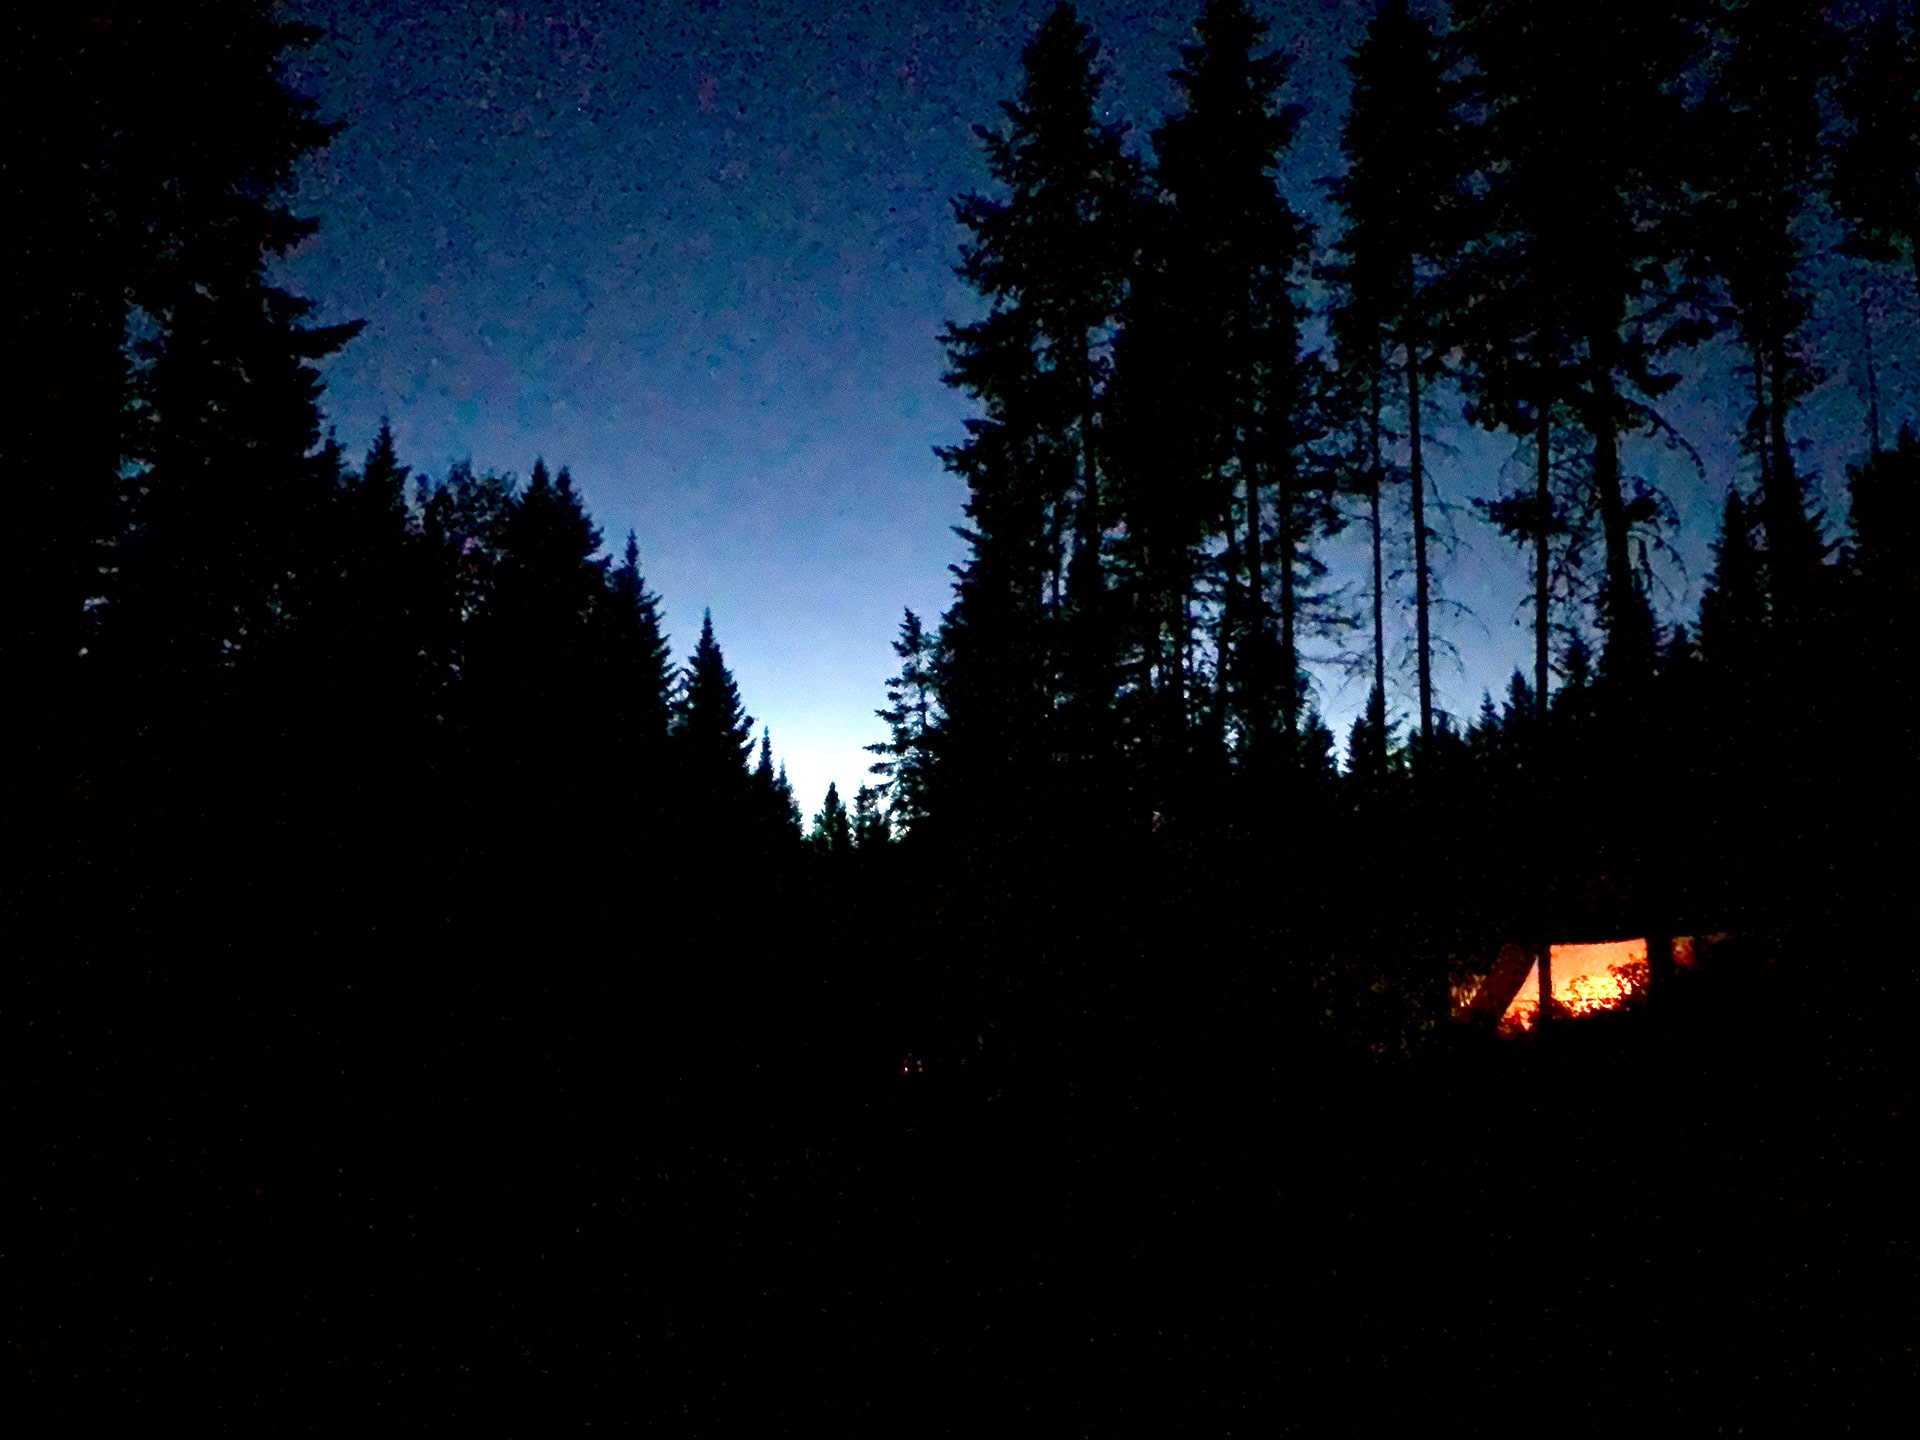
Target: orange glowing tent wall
(1586,979)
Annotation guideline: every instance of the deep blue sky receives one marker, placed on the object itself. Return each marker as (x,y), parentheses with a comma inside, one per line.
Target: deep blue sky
(702,255)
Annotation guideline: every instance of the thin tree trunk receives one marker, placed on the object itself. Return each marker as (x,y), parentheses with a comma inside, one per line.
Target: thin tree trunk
(1783,499)
(1417,477)
(1628,648)
(1379,585)
(1873,382)
(1789,542)
(1283,557)
(1056,540)
(1228,671)
(1185,702)
(1146,616)
(1764,450)
(1777,428)
(1542,558)
(1087,676)
(1089,491)
(1256,627)
(1614,530)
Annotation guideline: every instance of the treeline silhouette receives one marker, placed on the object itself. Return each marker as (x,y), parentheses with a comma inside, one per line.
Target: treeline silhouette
(429,1000)
(1112,731)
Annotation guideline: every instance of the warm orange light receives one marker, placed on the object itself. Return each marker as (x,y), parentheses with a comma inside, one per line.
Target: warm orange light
(1586,978)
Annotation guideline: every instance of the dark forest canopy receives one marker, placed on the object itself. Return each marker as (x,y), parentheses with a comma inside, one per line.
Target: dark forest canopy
(1542,213)
(1161,446)
(1538,215)
(386,789)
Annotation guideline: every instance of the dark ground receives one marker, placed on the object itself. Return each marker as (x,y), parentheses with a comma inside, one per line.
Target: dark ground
(306,1187)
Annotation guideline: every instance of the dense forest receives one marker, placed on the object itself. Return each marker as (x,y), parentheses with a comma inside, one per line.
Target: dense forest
(428,999)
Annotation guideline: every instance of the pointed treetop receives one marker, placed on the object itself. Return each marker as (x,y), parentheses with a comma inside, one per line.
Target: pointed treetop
(832,830)
(383,458)
(712,723)
(382,487)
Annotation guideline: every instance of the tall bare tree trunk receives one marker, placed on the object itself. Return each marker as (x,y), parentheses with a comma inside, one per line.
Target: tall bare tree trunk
(1283,557)
(1764,450)
(1873,380)
(1542,557)
(1228,671)
(1256,606)
(1629,644)
(1089,482)
(1786,536)
(1417,478)
(1379,585)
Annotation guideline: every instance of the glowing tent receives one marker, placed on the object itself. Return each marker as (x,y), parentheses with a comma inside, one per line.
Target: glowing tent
(1586,979)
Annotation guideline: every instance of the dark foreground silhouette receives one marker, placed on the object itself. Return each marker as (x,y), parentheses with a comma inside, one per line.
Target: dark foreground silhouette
(422,1010)
(290,1169)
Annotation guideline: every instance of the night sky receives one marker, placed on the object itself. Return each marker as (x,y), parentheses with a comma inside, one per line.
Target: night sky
(702,255)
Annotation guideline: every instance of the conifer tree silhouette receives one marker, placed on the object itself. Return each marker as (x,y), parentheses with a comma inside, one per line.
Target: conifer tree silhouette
(141,205)
(1222,291)
(1876,169)
(640,663)
(908,754)
(713,732)
(832,836)
(1733,608)
(549,581)
(870,827)
(1590,154)
(1765,121)
(1401,196)
(364,642)
(1021,686)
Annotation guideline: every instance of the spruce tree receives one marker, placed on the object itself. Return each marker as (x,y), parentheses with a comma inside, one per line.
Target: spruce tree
(228,479)
(365,642)
(1589,155)
(638,658)
(548,589)
(463,521)
(832,835)
(1359,366)
(1884,586)
(790,814)
(870,828)
(714,734)
(1765,120)
(141,206)
(1548,517)
(1166,497)
(231,481)
(1733,610)
(532,673)
(1401,198)
(1021,685)
(1218,303)
(774,817)
(906,766)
